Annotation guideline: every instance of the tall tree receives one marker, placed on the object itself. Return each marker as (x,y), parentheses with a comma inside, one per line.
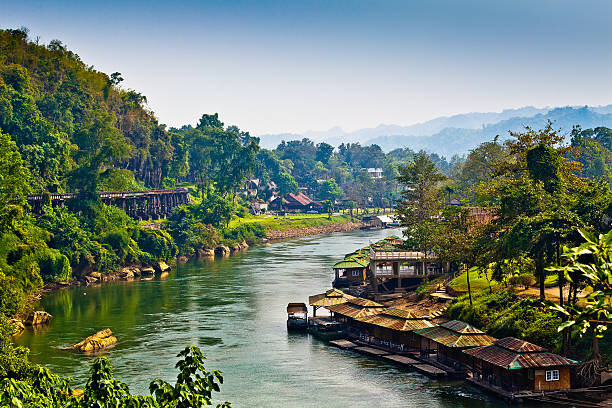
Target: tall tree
(421,199)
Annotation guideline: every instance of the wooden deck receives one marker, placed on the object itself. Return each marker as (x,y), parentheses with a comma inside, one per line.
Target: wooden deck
(371,351)
(343,344)
(429,370)
(402,360)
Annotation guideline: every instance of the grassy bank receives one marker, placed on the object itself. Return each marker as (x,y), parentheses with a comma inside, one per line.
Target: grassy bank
(281,223)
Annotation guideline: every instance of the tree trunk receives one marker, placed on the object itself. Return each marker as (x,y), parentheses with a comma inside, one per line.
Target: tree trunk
(469,287)
(596,354)
(541,276)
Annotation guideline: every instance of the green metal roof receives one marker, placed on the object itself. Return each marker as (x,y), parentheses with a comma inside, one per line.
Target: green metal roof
(351,263)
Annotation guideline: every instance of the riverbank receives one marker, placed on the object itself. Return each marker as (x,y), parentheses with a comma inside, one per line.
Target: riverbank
(298,232)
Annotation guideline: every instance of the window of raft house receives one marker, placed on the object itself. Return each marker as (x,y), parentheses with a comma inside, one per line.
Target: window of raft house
(355,273)
(552,375)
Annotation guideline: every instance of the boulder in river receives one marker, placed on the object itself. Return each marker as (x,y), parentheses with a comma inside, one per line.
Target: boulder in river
(161,266)
(38,317)
(126,273)
(148,271)
(100,340)
(205,252)
(222,250)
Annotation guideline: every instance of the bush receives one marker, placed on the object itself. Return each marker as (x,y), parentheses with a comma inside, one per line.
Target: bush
(123,245)
(251,233)
(54,266)
(158,243)
(502,314)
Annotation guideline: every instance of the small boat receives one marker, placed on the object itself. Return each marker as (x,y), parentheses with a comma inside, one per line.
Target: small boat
(297,317)
(325,328)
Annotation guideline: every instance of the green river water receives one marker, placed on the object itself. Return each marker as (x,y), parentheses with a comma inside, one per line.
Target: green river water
(234,309)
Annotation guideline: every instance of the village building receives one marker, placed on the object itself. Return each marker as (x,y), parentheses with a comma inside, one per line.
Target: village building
(392,328)
(516,365)
(352,270)
(350,311)
(390,267)
(448,341)
(329,298)
(258,207)
(295,202)
(375,172)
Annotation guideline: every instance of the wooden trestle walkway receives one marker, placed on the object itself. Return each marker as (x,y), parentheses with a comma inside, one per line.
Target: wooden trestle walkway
(398,359)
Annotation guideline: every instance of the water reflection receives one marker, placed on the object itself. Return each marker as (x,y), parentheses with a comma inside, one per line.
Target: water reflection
(234,309)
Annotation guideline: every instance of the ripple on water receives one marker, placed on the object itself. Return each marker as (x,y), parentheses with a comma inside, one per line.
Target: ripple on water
(234,309)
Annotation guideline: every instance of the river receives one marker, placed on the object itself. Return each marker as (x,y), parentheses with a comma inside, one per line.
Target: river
(234,309)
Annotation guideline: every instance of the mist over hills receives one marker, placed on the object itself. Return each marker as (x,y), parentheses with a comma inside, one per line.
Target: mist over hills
(456,134)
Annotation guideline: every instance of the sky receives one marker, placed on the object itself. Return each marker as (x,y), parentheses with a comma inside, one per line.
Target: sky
(292,66)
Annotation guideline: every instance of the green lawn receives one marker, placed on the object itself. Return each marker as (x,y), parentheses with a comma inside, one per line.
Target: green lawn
(476,282)
(273,222)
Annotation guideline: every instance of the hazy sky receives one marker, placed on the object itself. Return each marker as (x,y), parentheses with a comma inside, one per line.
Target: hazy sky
(290,66)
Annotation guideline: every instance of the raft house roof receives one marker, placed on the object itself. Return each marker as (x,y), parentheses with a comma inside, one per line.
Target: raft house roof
(514,354)
(352,262)
(329,298)
(356,307)
(458,334)
(397,319)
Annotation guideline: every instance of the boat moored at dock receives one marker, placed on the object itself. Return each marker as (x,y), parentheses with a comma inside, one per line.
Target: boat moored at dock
(297,317)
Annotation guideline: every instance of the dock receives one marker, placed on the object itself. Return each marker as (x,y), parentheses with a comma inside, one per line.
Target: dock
(343,344)
(429,370)
(371,351)
(401,360)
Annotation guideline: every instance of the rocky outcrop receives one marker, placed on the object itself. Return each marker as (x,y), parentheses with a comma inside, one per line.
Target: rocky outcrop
(18,326)
(222,250)
(127,273)
(147,271)
(235,247)
(243,245)
(161,266)
(206,253)
(183,259)
(100,340)
(38,317)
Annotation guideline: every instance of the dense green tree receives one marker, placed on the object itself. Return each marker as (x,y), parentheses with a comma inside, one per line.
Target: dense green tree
(421,199)
(329,190)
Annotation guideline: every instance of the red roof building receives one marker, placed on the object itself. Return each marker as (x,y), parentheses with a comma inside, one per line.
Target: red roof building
(517,365)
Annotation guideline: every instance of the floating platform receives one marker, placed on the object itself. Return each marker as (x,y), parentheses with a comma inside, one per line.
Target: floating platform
(401,360)
(371,351)
(343,344)
(429,370)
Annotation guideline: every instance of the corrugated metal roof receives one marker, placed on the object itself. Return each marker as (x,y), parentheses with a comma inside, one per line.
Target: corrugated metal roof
(461,327)
(512,360)
(390,319)
(520,346)
(451,338)
(404,314)
(354,310)
(331,297)
(364,302)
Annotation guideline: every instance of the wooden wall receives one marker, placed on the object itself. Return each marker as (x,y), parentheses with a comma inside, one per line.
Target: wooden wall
(540,383)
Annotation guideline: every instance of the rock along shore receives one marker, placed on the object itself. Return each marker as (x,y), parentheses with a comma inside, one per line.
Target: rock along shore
(315,230)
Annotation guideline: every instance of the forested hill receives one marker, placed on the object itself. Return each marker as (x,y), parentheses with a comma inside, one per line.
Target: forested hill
(459,133)
(50,104)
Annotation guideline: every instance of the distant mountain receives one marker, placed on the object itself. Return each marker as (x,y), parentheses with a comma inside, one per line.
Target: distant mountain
(456,134)
(450,141)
